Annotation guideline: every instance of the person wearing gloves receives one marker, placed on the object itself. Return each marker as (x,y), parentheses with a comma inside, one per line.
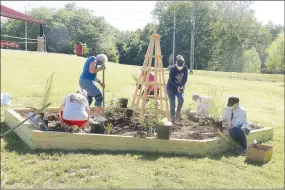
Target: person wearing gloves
(203,103)
(75,109)
(178,76)
(88,81)
(235,121)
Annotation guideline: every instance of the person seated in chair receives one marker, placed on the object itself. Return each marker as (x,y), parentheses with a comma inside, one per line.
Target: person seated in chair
(236,122)
(75,109)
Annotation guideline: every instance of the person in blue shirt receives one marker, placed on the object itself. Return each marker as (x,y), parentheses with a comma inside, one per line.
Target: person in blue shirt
(178,76)
(88,80)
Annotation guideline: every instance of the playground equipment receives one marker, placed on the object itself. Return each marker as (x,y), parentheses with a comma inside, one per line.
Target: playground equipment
(40,41)
(152,62)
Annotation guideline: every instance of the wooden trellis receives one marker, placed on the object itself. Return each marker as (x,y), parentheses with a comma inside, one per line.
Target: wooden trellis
(152,62)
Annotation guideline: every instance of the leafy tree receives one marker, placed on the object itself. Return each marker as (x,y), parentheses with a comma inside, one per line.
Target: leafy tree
(275,59)
(251,61)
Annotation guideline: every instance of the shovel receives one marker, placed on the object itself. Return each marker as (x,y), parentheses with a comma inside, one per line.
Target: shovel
(230,142)
(13,128)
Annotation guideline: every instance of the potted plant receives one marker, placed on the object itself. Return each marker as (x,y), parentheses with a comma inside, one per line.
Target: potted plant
(163,129)
(153,122)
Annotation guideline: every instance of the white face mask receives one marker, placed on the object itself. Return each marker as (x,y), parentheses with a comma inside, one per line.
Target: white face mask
(197,102)
(179,67)
(233,107)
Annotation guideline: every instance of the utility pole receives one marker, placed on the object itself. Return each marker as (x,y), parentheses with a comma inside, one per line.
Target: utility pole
(192,43)
(26,44)
(26,35)
(173,50)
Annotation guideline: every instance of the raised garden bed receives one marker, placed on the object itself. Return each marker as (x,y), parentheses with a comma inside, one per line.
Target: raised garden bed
(188,137)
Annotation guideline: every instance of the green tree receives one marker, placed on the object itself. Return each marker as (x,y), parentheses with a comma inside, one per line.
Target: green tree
(251,61)
(275,59)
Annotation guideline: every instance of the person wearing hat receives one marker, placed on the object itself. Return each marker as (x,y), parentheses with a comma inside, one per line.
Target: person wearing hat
(203,104)
(178,76)
(236,122)
(88,80)
(75,109)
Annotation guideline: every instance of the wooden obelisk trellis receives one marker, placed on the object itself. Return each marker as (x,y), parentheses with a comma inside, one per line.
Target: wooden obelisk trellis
(152,63)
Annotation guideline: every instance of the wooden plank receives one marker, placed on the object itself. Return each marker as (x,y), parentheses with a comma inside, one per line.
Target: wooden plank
(57,139)
(24,132)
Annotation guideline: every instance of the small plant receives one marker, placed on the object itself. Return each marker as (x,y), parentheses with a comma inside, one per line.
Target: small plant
(112,108)
(216,105)
(153,117)
(47,91)
(109,128)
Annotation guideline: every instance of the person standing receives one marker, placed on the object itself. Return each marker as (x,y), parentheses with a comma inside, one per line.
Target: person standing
(88,80)
(178,76)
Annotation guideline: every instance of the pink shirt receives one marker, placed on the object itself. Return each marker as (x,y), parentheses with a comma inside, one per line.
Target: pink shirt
(151,79)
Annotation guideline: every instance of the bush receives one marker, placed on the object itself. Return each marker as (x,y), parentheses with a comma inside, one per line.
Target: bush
(275,60)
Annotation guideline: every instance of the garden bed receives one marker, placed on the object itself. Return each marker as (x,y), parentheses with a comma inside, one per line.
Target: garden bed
(122,125)
(37,139)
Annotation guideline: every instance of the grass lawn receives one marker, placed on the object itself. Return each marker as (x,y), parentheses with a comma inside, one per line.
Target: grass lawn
(24,74)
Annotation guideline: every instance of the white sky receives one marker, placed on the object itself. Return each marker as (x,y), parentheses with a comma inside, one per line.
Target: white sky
(130,15)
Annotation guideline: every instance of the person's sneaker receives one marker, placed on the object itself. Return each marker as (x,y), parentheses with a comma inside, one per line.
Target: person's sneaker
(99,118)
(242,152)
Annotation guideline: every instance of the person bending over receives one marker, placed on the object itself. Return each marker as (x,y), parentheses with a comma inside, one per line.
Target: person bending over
(75,109)
(88,81)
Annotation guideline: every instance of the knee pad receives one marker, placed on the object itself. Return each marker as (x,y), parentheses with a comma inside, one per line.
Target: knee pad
(99,99)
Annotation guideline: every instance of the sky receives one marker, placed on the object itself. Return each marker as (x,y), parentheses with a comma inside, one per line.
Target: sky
(131,15)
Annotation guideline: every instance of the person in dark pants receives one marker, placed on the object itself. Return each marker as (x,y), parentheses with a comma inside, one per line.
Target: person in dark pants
(236,123)
(178,76)
(88,81)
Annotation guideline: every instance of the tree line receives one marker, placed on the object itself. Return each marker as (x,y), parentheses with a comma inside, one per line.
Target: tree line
(227,35)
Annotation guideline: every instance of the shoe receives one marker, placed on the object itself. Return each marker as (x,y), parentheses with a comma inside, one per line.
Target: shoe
(241,152)
(99,118)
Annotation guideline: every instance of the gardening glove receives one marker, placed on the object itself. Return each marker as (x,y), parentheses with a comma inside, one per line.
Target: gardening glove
(179,90)
(245,130)
(102,84)
(103,67)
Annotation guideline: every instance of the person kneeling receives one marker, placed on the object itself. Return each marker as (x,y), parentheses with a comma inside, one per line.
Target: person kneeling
(202,105)
(75,109)
(236,122)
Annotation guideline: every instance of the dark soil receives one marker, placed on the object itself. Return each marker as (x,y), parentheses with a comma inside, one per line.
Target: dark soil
(122,125)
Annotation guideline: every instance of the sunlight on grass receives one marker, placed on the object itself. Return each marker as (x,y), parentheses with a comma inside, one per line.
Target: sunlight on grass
(23,75)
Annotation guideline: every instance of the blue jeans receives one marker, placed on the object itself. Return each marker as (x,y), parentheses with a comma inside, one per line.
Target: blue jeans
(239,136)
(172,96)
(92,91)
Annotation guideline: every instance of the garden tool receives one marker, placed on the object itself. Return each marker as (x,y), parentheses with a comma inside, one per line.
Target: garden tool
(103,92)
(13,128)
(230,142)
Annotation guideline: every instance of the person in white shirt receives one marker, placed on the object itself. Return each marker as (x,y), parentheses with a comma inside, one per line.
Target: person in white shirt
(203,104)
(235,121)
(75,109)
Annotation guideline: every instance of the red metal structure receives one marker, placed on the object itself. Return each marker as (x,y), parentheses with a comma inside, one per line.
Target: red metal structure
(10,13)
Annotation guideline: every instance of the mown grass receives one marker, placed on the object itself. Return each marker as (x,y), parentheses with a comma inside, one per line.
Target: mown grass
(23,75)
